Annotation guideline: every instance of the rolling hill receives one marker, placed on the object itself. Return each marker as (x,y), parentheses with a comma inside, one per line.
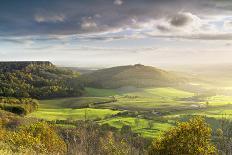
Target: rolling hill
(132,75)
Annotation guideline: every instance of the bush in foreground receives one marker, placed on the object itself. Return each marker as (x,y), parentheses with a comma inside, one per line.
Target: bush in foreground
(192,137)
(21,106)
(39,138)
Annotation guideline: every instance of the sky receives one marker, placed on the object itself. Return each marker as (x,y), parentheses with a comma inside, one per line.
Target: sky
(98,33)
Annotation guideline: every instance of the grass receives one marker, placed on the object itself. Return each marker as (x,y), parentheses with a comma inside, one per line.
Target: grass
(168,100)
(73,114)
(140,126)
(72,108)
(169,92)
(101,92)
(219,100)
(162,93)
(150,99)
(172,104)
(75,102)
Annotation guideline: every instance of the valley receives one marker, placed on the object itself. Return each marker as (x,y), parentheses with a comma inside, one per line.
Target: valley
(136,101)
(149,111)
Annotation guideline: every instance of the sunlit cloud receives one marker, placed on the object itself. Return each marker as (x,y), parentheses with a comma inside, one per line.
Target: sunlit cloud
(106,28)
(49,18)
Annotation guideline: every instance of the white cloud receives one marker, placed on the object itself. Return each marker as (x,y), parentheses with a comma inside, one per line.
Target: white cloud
(227,25)
(118,2)
(49,18)
(88,24)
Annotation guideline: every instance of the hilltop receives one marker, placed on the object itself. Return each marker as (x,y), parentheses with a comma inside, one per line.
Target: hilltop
(132,75)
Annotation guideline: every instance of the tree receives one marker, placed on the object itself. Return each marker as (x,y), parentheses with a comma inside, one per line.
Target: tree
(192,137)
(223,137)
(110,146)
(207,103)
(126,129)
(150,124)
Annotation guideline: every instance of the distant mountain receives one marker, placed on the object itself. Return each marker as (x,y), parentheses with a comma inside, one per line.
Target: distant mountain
(133,75)
(37,79)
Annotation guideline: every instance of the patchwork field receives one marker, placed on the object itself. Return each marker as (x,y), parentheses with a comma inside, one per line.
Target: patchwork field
(148,111)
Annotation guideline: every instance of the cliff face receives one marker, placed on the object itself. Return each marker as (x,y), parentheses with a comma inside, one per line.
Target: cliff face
(18,65)
(25,62)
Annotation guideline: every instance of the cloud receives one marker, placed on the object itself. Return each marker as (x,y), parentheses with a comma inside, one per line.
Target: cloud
(17,41)
(196,36)
(163,28)
(118,2)
(49,18)
(88,24)
(181,19)
(78,17)
(228,25)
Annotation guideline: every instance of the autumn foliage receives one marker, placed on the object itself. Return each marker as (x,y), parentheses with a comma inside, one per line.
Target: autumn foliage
(192,137)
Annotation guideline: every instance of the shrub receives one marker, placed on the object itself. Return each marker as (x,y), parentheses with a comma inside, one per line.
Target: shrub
(193,137)
(111,146)
(20,106)
(17,109)
(47,136)
(39,138)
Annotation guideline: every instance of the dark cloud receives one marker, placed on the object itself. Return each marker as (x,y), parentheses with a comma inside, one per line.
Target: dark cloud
(180,19)
(69,17)
(163,28)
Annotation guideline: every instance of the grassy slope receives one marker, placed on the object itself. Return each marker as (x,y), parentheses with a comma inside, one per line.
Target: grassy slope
(74,114)
(73,102)
(101,92)
(150,99)
(141,127)
(72,108)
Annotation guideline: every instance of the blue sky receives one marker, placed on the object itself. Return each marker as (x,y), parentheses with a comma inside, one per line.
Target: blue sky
(98,33)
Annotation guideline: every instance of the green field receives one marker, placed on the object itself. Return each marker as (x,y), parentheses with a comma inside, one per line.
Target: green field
(73,114)
(150,99)
(101,92)
(219,100)
(150,111)
(74,103)
(72,108)
(140,126)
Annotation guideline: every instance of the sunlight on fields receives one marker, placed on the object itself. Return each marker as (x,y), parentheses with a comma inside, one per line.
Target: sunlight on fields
(164,105)
(72,114)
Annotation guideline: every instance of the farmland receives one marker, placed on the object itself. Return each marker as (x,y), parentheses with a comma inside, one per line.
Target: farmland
(148,111)
(72,108)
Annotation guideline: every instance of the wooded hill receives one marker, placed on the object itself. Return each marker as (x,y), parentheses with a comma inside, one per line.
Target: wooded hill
(37,79)
(132,75)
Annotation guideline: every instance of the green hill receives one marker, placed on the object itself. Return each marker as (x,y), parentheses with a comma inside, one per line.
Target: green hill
(132,75)
(37,79)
